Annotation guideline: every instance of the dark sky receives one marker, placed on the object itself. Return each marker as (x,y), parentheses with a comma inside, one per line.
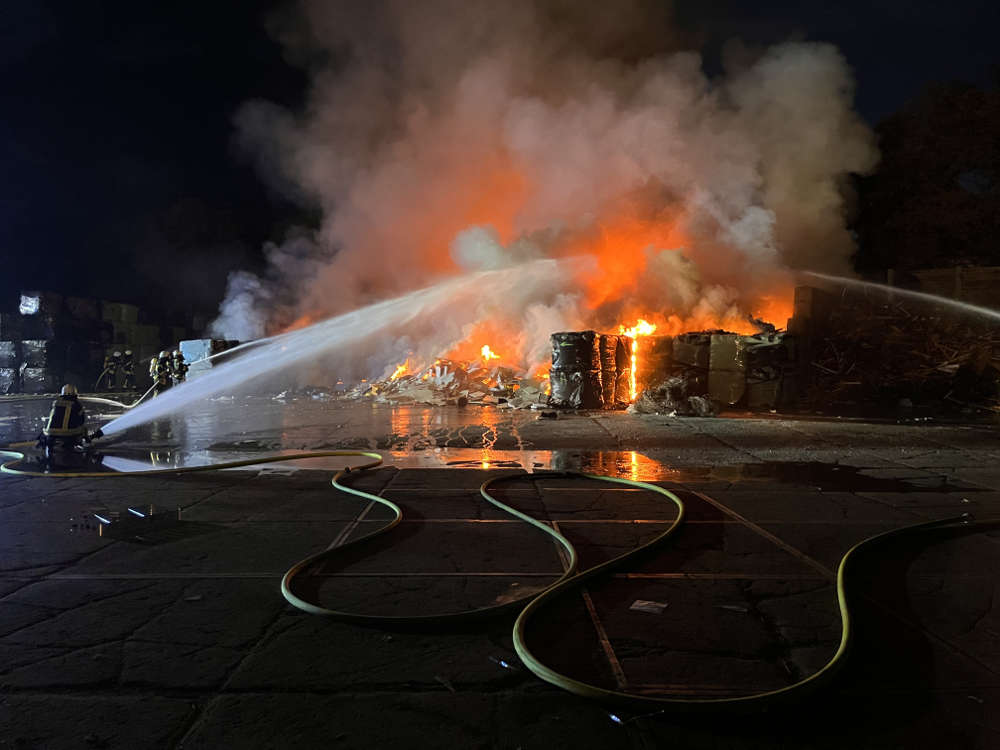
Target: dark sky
(120,178)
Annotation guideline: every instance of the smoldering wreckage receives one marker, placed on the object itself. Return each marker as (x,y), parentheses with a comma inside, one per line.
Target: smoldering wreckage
(842,352)
(693,374)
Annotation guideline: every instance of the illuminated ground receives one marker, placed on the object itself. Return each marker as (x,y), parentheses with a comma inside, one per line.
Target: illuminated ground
(171,631)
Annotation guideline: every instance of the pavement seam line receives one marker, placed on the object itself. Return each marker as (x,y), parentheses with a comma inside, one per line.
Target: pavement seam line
(799,554)
(602,635)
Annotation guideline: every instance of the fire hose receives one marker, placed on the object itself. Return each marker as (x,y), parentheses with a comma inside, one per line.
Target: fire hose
(88,399)
(530,605)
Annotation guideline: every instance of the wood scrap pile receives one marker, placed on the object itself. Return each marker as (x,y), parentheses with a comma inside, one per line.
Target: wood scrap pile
(874,350)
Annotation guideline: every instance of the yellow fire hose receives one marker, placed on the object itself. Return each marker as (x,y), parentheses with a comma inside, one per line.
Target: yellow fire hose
(88,399)
(531,604)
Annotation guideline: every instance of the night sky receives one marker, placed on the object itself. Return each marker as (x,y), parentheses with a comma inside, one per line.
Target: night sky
(121,179)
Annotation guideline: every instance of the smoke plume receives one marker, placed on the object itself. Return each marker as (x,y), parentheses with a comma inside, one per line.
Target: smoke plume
(448,136)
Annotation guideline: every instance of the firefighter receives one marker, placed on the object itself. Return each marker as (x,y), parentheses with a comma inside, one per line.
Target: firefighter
(160,367)
(66,428)
(178,368)
(110,371)
(128,371)
(116,363)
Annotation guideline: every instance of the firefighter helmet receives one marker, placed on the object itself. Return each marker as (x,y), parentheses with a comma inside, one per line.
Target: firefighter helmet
(128,352)
(118,354)
(68,390)
(163,354)
(177,353)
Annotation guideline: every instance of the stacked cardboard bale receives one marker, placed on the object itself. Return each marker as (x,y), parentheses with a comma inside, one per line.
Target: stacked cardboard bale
(623,372)
(608,355)
(575,375)
(655,359)
(10,360)
(727,381)
(692,354)
(42,365)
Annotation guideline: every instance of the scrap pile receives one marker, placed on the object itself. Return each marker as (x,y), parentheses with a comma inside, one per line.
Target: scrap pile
(896,352)
(451,383)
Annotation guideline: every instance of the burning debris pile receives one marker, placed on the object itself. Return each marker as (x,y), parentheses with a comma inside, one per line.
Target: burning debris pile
(691,374)
(482,382)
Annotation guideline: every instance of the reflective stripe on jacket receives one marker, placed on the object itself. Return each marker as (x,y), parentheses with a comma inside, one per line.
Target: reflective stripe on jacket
(66,419)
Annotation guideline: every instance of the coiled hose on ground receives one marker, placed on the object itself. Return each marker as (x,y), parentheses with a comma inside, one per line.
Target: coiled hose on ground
(530,605)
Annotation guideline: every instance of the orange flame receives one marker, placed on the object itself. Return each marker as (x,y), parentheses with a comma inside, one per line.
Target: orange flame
(641,328)
(488,354)
(401,370)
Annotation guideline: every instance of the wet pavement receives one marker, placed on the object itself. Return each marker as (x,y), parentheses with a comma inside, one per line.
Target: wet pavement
(165,627)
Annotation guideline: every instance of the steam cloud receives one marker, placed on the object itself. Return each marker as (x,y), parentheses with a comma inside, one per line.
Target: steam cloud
(448,136)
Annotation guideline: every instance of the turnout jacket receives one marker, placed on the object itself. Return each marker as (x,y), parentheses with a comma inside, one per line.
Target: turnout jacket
(67,418)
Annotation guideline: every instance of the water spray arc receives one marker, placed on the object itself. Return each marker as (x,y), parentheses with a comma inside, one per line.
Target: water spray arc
(965,307)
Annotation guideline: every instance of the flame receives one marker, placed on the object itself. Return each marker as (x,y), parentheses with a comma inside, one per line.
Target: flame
(641,328)
(401,370)
(488,354)
(301,322)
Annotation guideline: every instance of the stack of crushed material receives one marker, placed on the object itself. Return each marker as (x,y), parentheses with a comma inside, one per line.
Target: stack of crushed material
(655,359)
(10,360)
(41,365)
(692,374)
(576,370)
(608,354)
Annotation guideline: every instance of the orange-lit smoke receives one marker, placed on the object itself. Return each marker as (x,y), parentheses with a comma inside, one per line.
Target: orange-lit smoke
(453,138)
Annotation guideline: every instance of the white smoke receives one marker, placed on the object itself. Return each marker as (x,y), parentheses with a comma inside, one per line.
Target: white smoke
(444,136)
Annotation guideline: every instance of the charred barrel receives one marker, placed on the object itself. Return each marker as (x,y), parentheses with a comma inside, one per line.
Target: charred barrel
(575,376)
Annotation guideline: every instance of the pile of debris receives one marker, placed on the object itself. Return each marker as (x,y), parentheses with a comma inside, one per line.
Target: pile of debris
(901,353)
(450,383)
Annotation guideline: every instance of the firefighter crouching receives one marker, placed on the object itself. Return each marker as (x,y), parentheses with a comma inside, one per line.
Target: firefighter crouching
(128,371)
(159,370)
(178,368)
(66,428)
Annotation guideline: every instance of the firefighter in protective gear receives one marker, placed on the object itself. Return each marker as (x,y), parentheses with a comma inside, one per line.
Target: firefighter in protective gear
(128,371)
(67,424)
(160,370)
(110,374)
(178,368)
